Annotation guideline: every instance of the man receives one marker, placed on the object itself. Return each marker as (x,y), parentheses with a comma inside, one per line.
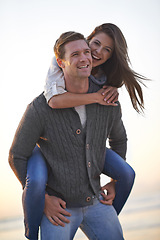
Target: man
(73,142)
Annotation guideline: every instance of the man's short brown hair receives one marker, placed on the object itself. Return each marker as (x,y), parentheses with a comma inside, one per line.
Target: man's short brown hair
(64,38)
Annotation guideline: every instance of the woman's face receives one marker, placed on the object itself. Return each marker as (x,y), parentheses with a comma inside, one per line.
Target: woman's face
(101,48)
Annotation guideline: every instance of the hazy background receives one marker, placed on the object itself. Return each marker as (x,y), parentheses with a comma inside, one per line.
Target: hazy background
(28,30)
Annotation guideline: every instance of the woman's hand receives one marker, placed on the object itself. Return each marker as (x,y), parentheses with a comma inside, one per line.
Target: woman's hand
(110,95)
(109,197)
(107,96)
(55,210)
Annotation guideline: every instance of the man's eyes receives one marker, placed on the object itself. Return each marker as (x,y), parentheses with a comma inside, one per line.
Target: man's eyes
(88,51)
(85,52)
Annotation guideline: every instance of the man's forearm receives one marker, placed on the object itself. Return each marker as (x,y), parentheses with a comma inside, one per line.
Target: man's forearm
(120,147)
(118,136)
(19,168)
(25,139)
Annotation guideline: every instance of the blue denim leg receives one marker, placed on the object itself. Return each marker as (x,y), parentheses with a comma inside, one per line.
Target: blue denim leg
(101,222)
(52,232)
(98,222)
(33,198)
(118,169)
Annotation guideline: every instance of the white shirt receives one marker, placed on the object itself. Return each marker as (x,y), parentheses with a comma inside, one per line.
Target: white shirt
(81,110)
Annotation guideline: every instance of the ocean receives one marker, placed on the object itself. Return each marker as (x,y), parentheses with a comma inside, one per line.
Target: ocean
(140,220)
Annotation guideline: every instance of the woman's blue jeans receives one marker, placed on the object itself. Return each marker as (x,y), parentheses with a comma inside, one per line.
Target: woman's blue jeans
(33,198)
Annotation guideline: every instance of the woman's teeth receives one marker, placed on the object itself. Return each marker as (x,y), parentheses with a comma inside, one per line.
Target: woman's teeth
(95,57)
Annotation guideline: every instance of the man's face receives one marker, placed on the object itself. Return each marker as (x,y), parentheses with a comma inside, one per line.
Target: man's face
(77,61)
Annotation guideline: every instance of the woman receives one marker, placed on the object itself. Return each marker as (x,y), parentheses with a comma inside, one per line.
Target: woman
(111,67)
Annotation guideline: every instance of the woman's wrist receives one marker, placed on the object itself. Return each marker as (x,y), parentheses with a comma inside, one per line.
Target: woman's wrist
(94,97)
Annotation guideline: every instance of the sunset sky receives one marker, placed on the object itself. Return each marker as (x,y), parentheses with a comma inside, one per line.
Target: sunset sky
(28,31)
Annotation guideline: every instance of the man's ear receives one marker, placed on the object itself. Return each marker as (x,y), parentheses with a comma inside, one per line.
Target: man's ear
(60,63)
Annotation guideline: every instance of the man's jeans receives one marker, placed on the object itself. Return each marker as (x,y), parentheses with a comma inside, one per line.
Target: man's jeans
(98,222)
(34,191)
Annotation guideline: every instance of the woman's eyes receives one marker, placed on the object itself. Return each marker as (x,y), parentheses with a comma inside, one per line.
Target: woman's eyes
(107,49)
(97,43)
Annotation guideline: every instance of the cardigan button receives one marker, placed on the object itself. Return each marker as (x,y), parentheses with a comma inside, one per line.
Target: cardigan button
(78,131)
(88,199)
(89,164)
(87,145)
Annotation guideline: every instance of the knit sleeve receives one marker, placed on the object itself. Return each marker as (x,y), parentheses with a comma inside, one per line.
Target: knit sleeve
(27,134)
(117,136)
(55,83)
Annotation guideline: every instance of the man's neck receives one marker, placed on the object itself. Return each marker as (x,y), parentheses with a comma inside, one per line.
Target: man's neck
(76,85)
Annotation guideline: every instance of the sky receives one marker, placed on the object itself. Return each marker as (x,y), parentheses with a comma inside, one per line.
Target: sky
(28,31)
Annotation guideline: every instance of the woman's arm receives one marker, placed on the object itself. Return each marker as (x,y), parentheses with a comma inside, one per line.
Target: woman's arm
(68,100)
(54,84)
(57,97)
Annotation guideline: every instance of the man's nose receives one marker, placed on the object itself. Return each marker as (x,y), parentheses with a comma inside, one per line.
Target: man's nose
(83,57)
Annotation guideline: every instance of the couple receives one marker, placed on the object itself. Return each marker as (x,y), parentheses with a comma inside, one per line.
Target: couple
(73,140)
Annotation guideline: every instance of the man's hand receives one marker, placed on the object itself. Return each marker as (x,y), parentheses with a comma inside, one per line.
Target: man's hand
(55,210)
(109,95)
(109,197)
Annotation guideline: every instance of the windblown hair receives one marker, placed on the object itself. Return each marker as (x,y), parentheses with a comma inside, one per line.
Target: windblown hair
(59,47)
(117,68)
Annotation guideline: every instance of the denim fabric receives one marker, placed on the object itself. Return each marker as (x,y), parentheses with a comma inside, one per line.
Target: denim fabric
(34,192)
(98,222)
(118,169)
(33,198)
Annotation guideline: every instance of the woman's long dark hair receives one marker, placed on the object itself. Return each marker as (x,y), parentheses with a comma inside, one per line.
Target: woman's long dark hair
(117,67)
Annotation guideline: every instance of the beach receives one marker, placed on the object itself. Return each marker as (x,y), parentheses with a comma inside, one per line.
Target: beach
(140,220)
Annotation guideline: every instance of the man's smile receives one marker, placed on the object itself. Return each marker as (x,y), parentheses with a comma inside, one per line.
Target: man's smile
(85,66)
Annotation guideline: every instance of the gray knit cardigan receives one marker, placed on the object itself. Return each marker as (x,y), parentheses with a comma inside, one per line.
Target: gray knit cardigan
(74,156)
